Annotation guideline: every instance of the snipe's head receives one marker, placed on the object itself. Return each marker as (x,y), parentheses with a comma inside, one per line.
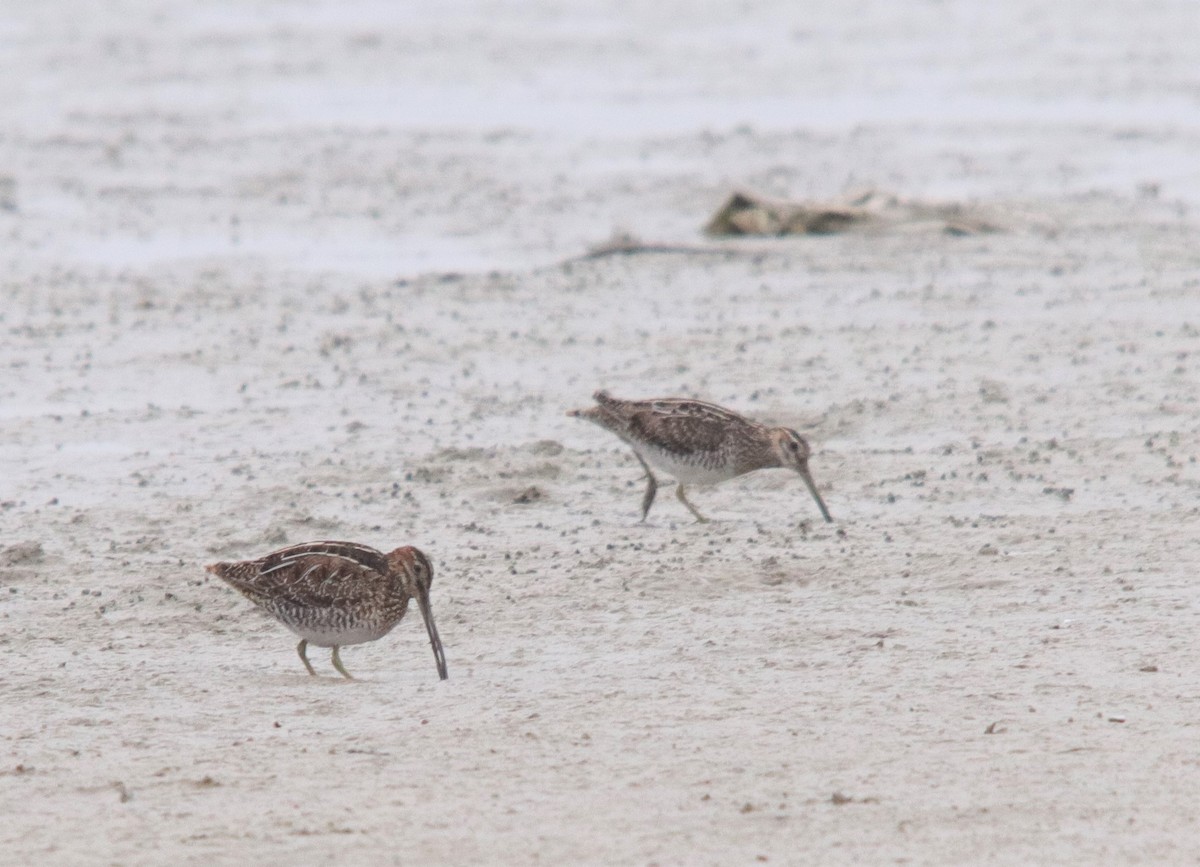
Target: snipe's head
(416,577)
(792,452)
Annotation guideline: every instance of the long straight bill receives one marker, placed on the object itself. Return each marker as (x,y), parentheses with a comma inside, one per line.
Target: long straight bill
(812,489)
(434,639)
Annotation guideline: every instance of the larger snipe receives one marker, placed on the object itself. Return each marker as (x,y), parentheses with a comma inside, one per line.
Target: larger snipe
(698,443)
(333,594)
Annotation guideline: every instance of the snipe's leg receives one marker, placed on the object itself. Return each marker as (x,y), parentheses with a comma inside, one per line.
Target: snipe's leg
(337,663)
(300,649)
(691,508)
(651,487)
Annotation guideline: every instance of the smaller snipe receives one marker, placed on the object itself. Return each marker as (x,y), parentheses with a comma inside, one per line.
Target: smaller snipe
(333,594)
(698,443)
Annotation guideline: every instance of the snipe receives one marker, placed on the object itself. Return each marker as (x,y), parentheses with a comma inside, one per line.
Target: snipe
(698,443)
(333,594)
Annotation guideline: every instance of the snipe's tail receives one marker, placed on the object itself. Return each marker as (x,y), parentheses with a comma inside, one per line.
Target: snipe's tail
(601,397)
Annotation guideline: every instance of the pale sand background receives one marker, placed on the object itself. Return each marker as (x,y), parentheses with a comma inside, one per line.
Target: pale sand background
(282,271)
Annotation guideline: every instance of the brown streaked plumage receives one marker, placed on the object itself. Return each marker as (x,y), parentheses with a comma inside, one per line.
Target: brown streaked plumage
(333,594)
(698,443)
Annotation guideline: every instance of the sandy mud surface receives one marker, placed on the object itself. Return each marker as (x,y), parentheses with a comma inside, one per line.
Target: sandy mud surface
(276,272)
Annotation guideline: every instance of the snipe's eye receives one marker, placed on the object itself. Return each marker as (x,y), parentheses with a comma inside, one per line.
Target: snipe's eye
(795,446)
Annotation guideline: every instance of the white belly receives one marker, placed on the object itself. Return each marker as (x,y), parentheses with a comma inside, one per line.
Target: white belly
(339,637)
(683,471)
